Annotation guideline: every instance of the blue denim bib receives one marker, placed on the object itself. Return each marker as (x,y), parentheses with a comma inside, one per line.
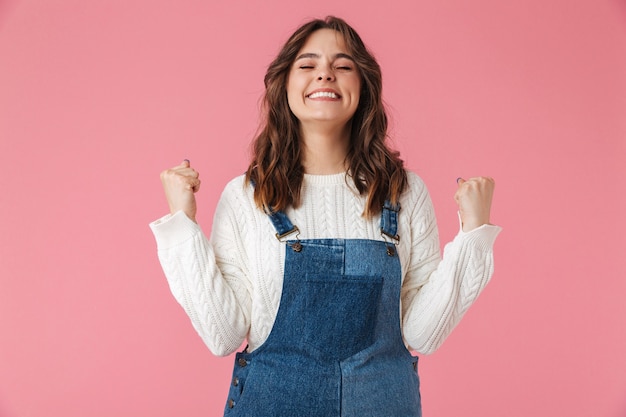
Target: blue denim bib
(336,347)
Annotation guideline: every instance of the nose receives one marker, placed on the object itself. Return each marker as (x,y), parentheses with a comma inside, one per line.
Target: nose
(325,74)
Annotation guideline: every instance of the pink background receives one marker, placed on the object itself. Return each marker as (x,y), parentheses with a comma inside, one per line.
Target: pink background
(97,97)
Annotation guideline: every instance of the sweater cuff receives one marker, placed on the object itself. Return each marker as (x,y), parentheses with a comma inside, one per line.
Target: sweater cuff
(173,229)
(483,237)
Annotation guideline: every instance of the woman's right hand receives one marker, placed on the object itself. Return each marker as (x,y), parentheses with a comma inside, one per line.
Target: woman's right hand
(180,183)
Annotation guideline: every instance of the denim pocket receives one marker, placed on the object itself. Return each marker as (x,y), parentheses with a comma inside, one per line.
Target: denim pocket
(340,313)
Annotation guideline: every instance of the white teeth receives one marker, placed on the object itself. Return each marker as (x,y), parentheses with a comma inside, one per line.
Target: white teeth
(323,94)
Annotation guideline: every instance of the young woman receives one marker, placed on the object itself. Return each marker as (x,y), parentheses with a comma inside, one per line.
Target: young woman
(324,256)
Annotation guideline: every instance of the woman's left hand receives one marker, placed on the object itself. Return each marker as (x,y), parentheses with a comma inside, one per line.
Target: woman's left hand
(474,199)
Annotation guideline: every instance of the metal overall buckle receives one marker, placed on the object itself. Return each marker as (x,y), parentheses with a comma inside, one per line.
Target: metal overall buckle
(391,244)
(296,246)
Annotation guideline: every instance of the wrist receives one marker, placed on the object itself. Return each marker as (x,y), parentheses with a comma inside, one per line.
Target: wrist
(468,225)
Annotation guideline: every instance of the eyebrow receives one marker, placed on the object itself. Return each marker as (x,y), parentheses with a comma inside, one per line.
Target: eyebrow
(317,56)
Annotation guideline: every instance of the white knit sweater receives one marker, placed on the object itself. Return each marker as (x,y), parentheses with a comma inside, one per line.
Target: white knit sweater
(230,285)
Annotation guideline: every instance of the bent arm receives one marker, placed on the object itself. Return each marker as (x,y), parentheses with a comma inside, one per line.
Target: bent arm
(438,292)
(213,294)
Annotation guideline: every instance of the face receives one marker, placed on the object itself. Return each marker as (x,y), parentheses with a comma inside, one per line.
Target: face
(324,84)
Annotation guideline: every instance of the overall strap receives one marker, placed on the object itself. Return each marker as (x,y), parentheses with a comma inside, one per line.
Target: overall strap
(285,228)
(281,223)
(389,220)
(389,226)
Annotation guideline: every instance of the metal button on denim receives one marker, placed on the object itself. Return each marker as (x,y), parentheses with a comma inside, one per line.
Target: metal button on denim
(242,362)
(231,403)
(235,381)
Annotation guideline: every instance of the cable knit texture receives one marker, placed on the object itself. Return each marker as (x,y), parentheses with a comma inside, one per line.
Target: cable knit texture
(230,285)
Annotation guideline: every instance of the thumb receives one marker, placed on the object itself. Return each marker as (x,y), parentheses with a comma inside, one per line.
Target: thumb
(460,181)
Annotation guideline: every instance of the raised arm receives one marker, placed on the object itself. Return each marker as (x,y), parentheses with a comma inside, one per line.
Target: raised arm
(216,299)
(437,292)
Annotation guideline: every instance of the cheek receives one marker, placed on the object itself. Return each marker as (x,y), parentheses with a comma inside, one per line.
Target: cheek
(295,97)
(357,93)
(292,98)
(355,88)
(293,90)
(358,86)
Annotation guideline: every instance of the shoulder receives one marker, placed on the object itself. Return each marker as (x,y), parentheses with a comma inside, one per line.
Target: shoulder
(237,188)
(237,195)
(416,187)
(236,184)
(416,198)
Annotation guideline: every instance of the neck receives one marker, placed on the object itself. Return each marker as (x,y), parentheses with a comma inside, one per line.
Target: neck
(324,151)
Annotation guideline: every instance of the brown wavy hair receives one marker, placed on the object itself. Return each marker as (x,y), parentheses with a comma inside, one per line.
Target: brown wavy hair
(276,168)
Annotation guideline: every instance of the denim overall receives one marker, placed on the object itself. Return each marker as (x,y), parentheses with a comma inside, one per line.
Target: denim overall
(335,348)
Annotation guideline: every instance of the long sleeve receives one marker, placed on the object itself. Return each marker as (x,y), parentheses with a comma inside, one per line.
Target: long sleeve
(215,297)
(230,285)
(437,292)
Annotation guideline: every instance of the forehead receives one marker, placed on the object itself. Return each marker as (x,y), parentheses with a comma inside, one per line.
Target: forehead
(324,41)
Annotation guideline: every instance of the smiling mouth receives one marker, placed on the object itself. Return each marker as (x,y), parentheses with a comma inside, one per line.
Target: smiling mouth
(324,94)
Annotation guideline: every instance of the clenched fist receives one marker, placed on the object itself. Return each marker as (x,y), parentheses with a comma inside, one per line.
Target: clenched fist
(474,199)
(180,183)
